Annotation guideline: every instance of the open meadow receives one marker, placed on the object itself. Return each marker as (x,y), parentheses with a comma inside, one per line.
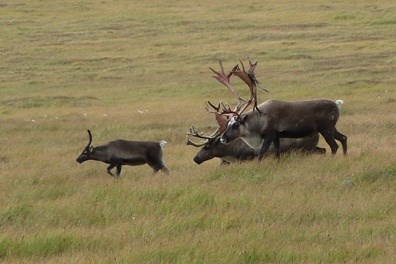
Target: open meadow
(139,70)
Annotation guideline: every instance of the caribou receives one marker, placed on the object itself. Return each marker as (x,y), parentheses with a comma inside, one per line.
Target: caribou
(241,148)
(124,152)
(277,119)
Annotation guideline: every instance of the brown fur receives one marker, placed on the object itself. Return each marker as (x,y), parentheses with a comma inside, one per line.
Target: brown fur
(279,119)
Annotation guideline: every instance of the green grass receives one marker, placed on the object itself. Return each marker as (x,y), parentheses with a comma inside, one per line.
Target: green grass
(140,70)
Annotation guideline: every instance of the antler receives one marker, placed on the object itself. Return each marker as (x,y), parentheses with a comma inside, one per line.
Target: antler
(225,80)
(221,117)
(250,79)
(190,143)
(198,134)
(247,77)
(195,133)
(90,138)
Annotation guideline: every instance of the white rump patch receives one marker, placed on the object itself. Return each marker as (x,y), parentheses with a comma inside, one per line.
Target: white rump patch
(162,143)
(339,102)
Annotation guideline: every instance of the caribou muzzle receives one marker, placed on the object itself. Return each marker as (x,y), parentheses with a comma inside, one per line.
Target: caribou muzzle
(198,160)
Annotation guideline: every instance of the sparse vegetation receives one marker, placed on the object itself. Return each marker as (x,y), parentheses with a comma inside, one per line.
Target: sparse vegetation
(139,70)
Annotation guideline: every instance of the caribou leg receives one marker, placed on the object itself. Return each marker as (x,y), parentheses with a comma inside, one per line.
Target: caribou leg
(266,144)
(165,170)
(110,168)
(342,138)
(277,147)
(118,170)
(328,135)
(157,166)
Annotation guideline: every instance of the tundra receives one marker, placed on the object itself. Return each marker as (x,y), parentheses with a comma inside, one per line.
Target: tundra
(275,119)
(124,152)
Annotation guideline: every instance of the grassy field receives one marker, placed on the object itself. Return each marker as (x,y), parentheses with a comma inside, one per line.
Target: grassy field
(140,70)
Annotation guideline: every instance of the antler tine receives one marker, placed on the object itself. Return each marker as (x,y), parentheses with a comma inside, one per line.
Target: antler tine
(190,143)
(222,74)
(90,138)
(252,76)
(246,105)
(243,66)
(227,111)
(195,133)
(225,79)
(220,116)
(216,108)
(251,72)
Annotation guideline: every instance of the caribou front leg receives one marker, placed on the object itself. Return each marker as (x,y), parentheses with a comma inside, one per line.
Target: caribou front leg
(266,144)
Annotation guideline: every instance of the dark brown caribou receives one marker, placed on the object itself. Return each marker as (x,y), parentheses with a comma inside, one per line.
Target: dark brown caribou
(124,152)
(239,150)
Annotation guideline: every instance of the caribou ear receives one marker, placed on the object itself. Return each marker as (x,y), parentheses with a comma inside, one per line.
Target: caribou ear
(244,119)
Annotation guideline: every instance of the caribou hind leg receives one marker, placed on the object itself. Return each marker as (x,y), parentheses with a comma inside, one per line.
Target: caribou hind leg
(277,147)
(343,139)
(165,170)
(118,170)
(328,135)
(110,168)
(157,166)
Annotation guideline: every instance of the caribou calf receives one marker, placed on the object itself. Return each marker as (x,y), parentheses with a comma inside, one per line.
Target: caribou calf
(123,152)
(276,119)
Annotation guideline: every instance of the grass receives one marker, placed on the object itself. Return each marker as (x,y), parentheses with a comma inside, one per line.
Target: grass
(140,71)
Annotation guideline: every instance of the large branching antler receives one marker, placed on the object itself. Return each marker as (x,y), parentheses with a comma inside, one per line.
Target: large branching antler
(224,79)
(221,118)
(249,78)
(195,133)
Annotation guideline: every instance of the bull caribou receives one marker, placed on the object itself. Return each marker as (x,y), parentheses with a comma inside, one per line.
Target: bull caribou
(239,150)
(275,119)
(279,119)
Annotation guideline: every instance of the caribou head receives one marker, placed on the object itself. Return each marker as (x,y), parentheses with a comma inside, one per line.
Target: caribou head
(85,155)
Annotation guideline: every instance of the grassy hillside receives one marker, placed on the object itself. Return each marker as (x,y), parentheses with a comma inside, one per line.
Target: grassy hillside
(139,70)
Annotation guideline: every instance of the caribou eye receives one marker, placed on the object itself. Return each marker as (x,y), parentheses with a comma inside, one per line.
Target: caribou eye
(235,125)
(88,150)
